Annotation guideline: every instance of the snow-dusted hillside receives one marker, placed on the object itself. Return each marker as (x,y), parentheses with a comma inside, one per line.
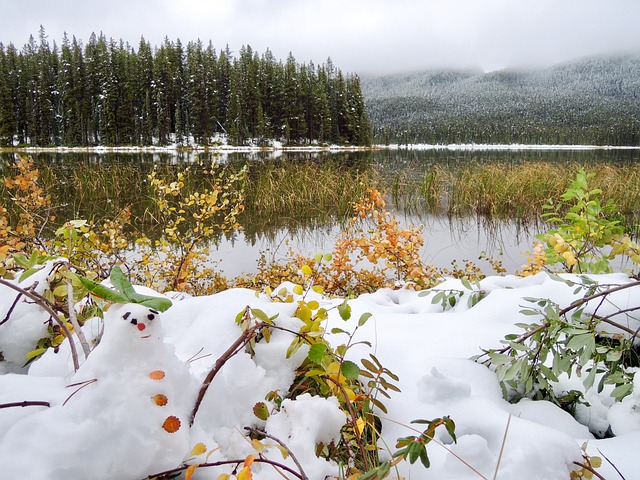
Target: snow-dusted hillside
(589,101)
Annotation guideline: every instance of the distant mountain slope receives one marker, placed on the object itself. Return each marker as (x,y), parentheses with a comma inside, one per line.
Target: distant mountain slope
(588,101)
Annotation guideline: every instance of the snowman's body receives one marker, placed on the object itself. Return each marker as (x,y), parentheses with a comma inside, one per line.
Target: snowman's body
(132,392)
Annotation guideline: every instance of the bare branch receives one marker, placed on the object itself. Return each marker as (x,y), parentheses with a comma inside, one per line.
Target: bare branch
(26,403)
(238,345)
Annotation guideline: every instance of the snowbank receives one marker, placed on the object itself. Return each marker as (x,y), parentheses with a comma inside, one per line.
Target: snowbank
(116,417)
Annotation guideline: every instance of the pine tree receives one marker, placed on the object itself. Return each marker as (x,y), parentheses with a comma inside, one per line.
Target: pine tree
(8,124)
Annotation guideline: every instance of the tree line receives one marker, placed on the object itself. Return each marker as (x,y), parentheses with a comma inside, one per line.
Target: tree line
(108,93)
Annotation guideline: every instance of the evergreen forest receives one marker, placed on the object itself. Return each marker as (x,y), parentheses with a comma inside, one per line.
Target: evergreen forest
(106,92)
(589,101)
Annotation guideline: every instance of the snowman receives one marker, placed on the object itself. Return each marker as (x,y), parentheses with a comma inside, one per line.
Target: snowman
(125,415)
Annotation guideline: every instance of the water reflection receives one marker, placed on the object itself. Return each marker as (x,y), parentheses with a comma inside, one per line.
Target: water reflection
(446,237)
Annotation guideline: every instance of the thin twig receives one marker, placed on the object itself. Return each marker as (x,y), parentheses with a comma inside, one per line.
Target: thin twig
(588,298)
(282,444)
(504,441)
(26,403)
(82,385)
(611,463)
(227,462)
(10,311)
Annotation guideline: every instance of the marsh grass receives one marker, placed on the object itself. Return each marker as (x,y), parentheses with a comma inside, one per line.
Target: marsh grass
(310,194)
(312,190)
(510,191)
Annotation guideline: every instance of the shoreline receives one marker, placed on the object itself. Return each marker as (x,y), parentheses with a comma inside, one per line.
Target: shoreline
(311,148)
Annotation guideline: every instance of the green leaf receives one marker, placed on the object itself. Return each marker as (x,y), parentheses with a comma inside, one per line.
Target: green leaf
(294,347)
(156,303)
(369,366)
(424,458)
(33,354)
(317,352)
(121,282)
(103,292)
(350,370)
(261,410)
(345,310)
(466,284)
(363,319)
(260,315)
(27,273)
(577,342)
(622,391)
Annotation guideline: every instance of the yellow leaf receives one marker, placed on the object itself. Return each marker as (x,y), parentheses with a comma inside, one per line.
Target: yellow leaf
(298,290)
(224,476)
(199,449)
(306,270)
(245,474)
(257,445)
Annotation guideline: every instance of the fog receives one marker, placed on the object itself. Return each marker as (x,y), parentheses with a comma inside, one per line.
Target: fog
(363,36)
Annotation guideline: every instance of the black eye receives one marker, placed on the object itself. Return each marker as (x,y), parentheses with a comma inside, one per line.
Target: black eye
(126,315)
(154,311)
(134,321)
(151,316)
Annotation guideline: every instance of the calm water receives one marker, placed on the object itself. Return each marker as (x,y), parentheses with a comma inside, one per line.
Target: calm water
(445,239)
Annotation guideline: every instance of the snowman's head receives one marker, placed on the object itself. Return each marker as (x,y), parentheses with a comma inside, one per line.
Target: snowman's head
(133,321)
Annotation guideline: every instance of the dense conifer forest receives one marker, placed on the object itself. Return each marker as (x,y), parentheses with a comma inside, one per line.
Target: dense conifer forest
(592,101)
(106,92)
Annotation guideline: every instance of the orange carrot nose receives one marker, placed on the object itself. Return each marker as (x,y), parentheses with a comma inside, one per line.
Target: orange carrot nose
(141,326)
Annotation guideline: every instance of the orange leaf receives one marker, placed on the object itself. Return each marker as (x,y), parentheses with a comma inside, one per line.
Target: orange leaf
(171,424)
(160,399)
(189,472)
(156,375)
(249,460)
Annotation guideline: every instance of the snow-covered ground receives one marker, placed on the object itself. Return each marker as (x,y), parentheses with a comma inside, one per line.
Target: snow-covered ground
(117,416)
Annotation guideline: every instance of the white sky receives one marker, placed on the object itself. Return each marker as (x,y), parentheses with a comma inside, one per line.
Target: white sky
(363,36)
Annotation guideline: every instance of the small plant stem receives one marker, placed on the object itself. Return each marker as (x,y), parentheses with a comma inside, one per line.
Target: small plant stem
(439,443)
(354,420)
(590,468)
(281,443)
(73,318)
(26,403)
(42,303)
(504,441)
(240,343)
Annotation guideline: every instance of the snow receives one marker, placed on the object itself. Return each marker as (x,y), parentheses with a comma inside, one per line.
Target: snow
(104,420)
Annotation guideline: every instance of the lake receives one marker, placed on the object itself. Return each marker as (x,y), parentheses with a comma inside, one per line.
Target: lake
(447,237)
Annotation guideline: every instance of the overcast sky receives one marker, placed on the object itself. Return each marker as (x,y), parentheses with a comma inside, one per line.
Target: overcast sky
(362,36)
